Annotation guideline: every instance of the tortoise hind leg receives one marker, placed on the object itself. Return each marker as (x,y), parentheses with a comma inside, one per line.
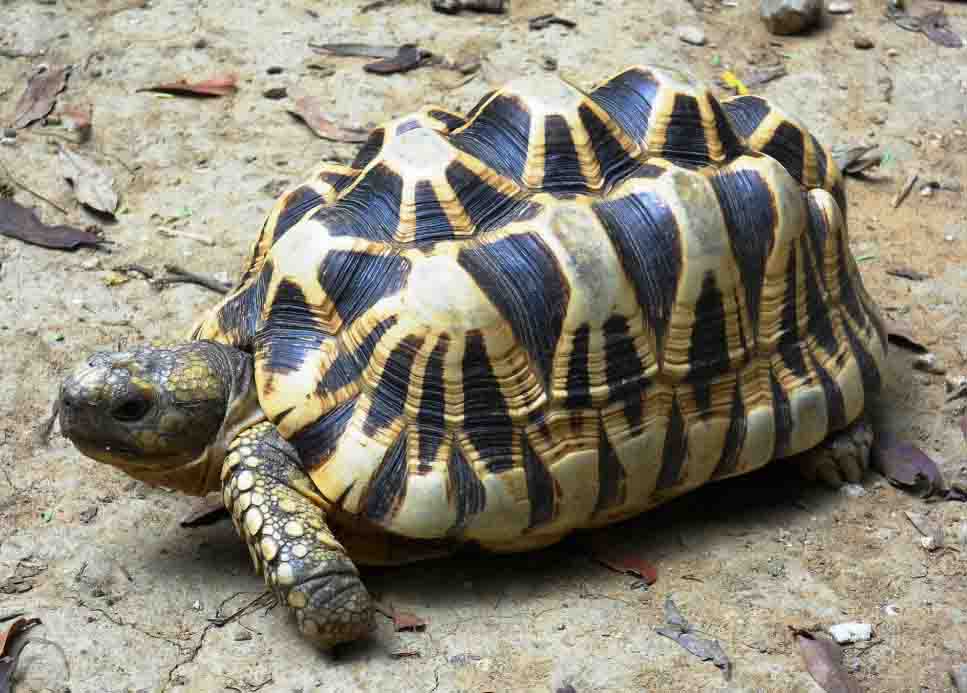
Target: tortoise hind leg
(277,511)
(843,456)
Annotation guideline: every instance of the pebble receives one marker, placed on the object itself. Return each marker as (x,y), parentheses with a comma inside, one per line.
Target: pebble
(275,70)
(839,7)
(863,43)
(878,118)
(275,93)
(785,17)
(892,52)
(242,636)
(851,632)
(929,363)
(891,609)
(692,34)
(853,490)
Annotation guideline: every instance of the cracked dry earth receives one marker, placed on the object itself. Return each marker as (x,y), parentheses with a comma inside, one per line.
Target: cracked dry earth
(130,595)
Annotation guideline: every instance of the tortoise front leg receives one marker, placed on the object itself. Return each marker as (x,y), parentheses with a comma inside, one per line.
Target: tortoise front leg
(277,511)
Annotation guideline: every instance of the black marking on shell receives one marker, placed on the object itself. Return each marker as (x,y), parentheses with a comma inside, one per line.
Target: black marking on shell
(645,234)
(540,487)
(370,210)
(787,146)
(316,441)
(432,223)
(578,378)
(674,450)
(240,314)
(468,492)
(781,414)
(839,194)
(480,104)
(486,421)
(611,474)
(291,331)
(498,136)
(747,113)
(749,210)
(817,231)
(388,399)
(407,125)
(789,345)
(355,280)
(430,417)
(731,145)
(298,203)
(487,207)
(835,406)
(708,350)
(521,277)
(821,165)
(869,372)
(628,98)
(849,295)
(818,321)
(734,437)
(347,366)
(338,181)
(562,168)
(685,140)
(613,160)
(387,489)
(647,171)
(370,149)
(624,370)
(451,120)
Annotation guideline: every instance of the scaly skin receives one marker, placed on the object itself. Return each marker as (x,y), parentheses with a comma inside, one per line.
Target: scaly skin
(177,417)
(283,521)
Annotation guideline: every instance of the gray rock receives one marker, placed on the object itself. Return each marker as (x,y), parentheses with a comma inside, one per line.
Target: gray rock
(790,16)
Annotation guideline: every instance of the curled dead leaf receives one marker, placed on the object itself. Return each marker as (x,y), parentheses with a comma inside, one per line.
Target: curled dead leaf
(208,511)
(94,186)
(40,95)
(17,221)
(402,620)
(408,57)
(309,110)
(823,659)
(225,85)
(907,466)
(625,561)
(902,335)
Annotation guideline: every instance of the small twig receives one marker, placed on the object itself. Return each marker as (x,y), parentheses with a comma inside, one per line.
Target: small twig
(182,276)
(27,189)
(138,269)
(905,190)
(266,599)
(175,233)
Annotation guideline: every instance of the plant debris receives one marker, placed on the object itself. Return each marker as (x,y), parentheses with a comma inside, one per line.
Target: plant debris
(902,335)
(39,97)
(934,25)
(679,630)
(627,562)
(933,532)
(177,275)
(207,511)
(542,21)
(455,6)
(824,662)
(355,50)
(907,466)
(402,620)
(93,186)
(907,273)
(22,223)
(763,75)
(10,652)
(309,110)
(853,160)
(408,57)
(208,88)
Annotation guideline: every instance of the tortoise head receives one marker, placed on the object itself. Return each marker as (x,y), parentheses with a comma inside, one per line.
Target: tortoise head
(160,414)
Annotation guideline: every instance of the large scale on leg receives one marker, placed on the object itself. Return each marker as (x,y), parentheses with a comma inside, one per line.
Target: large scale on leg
(554,312)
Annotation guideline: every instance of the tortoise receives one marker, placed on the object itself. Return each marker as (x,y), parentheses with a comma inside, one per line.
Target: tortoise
(554,312)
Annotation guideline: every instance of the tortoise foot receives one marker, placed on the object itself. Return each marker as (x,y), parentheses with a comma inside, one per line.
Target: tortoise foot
(843,457)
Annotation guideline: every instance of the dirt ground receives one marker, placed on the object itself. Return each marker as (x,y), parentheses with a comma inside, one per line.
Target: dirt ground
(129,594)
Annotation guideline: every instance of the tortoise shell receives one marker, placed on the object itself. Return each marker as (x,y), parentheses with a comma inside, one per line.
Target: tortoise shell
(558,310)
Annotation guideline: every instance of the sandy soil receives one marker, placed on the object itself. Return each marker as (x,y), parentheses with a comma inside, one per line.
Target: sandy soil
(128,593)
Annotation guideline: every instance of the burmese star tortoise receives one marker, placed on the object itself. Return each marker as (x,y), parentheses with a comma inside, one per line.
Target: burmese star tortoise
(554,312)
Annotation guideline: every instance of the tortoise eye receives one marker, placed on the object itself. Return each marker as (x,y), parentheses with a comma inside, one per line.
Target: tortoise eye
(131,410)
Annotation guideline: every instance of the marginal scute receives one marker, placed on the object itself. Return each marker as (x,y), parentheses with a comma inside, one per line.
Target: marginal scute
(555,311)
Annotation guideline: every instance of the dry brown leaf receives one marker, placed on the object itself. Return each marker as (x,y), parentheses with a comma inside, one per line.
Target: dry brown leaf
(823,659)
(40,95)
(625,561)
(9,654)
(309,110)
(17,221)
(207,511)
(408,57)
(217,86)
(902,335)
(402,620)
(93,185)
(356,50)
(907,466)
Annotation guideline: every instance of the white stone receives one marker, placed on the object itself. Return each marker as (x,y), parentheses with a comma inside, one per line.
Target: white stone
(851,632)
(839,7)
(692,34)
